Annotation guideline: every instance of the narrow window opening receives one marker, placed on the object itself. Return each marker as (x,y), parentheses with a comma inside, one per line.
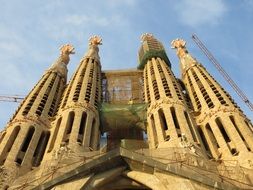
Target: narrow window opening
(223,131)
(9,144)
(92,135)
(175,120)
(82,127)
(212,137)
(205,143)
(239,132)
(40,149)
(154,130)
(70,122)
(162,119)
(25,145)
(27,140)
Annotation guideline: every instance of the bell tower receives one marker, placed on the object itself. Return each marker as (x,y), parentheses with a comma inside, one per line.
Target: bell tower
(25,138)
(225,130)
(168,118)
(77,122)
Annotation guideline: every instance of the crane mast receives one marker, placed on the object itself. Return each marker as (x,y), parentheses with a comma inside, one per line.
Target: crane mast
(222,71)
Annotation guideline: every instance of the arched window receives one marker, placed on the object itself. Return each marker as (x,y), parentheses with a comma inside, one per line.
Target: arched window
(175,120)
(154,130)
(40,149)
(93,133)
(82,127)
(162,119)
(69,126)
(25,145)
(9,144)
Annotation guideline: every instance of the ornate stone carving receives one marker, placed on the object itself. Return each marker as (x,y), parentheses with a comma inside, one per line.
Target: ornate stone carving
(6,177)
(93,50)
(186,59)
(95,40)
(30,118)
(60,65)
(180,45)
(146,36)
(157,104)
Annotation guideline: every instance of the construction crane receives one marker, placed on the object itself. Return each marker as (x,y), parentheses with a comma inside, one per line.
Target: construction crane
(13,98)
(222,71)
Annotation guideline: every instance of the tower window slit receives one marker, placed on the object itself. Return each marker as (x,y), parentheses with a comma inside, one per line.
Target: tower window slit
(25,145)
(203,138)
(222,130)
(239,132)
(9,144)
(154,130)
(70,122)
(27,139)
(93,134)
(175,120)
(40,149)
(82,127)
(212,137)
(162,119)
(225,135)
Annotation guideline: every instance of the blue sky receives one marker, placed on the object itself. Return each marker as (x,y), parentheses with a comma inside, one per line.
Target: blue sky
(31,32)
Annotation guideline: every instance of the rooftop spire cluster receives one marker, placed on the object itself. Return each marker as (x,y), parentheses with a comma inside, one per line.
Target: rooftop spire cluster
(193,128)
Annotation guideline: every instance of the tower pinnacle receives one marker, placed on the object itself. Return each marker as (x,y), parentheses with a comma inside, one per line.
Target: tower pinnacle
(93,50)
(66,50)
(186,59)
(145,36)
(60,65)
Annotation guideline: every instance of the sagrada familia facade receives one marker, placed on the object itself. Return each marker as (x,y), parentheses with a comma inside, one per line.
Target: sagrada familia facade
(161,132)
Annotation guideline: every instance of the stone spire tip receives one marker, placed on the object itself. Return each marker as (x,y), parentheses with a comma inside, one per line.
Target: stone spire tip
(67,49)
(95,40)
(145,36)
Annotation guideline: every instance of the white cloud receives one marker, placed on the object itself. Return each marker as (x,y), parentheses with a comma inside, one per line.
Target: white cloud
(195,13)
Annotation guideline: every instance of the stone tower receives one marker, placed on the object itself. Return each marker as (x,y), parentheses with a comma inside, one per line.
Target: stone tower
(225,130)
(169,120)
(77,122)
(26,135)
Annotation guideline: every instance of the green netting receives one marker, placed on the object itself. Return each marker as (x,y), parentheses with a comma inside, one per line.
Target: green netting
(113,116)
(153,53)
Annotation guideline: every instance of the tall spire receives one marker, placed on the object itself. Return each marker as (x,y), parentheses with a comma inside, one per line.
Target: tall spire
(169,120)
(224,128)
(27,133)
(76,125)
